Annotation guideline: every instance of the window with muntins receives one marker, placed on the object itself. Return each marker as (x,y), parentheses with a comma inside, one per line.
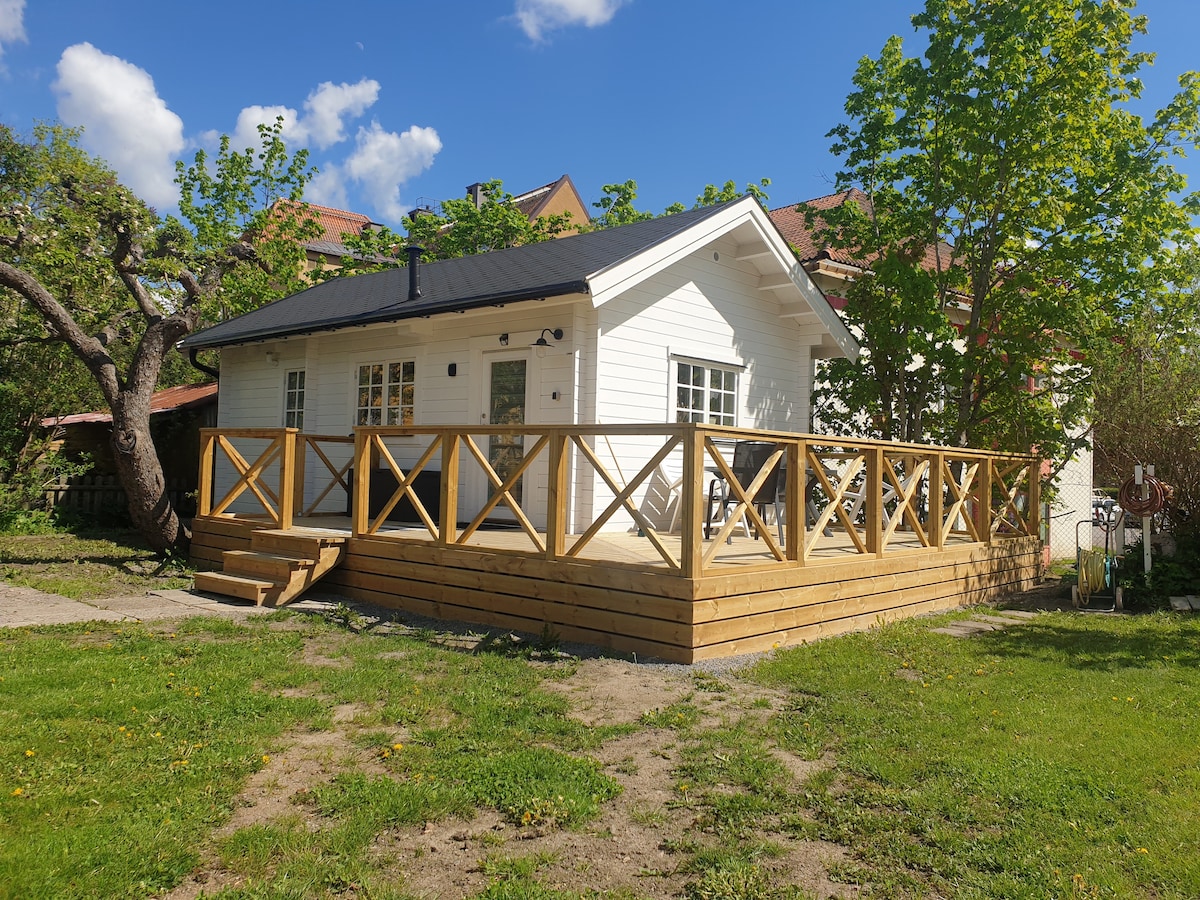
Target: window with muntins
(386,393)
(705,393)
(293,400)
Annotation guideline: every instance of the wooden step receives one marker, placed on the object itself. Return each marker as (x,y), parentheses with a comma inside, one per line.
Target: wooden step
(279,567)
(273,566)
(255,590)
(298,543)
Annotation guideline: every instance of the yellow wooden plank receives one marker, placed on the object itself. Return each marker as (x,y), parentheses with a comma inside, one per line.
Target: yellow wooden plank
(632,644)
(639,604)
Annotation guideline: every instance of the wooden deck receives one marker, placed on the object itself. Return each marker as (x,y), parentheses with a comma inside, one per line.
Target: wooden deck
(889,531)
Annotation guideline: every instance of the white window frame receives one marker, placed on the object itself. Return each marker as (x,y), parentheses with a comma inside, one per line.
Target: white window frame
(294,398)
(727,415)
(359,412)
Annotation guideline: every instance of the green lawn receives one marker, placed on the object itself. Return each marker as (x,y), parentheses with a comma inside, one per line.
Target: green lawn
(1055,759)
(1059,758)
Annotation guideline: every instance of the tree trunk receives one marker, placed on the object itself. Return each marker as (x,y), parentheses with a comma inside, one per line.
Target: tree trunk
(141,476)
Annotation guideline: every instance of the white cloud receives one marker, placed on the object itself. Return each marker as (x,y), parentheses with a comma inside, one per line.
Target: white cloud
(12,22)
(330,104)
(323,122)
(328,188)
(245,133)
(124,120)
(536,17)
(383,160)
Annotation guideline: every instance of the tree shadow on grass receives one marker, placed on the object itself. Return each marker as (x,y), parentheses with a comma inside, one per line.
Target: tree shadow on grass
(1067,640)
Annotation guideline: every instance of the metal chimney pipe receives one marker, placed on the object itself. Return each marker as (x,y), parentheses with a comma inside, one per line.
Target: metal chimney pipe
(414,271)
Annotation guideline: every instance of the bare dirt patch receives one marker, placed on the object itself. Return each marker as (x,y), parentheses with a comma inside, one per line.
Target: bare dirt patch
(627,848)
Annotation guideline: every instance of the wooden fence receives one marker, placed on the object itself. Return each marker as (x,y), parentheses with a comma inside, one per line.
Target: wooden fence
(93,495)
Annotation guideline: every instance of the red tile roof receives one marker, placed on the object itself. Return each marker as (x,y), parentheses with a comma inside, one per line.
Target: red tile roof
(337,222)
(790,221)
(185,396)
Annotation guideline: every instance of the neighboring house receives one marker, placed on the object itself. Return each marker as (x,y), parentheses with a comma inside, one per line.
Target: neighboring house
(832,269)
(556,198)
(703,316)
(327,249)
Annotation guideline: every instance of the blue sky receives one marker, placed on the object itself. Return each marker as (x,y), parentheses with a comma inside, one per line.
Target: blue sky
(403,101)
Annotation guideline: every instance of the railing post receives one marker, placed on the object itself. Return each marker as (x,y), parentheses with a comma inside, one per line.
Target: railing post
(983,509)
(204,488)
(361,487)
(795,514)
(448,499)
(691,562)
(1034,514)
(287,478)
(874,488)
(937,497)
(298,480)
(556,497)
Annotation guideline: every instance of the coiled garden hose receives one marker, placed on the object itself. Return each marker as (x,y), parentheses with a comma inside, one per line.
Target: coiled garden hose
(1131,499)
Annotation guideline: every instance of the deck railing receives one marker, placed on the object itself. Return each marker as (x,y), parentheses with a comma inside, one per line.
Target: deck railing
(558,491)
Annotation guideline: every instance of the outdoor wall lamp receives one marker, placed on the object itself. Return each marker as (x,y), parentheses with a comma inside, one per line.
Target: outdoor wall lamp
(504,339)
(555,333)
(541,345)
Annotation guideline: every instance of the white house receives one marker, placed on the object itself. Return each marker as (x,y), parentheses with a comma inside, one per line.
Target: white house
(705,316)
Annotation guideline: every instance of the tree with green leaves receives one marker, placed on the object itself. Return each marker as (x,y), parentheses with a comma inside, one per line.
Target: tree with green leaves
(466,228)
(616,205)
(1147,403)
(119,288)
(1012,193)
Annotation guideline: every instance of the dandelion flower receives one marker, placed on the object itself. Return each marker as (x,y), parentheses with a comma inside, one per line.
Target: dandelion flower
(1139,849)
(397,746)
(30,752)
(266,759)
(17,792)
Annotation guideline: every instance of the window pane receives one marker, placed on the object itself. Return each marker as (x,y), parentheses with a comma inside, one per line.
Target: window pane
(697,399)
(410,371)
(394,372)
(730,381)
(364,374)
(698,376)
(406,395)
(714,379)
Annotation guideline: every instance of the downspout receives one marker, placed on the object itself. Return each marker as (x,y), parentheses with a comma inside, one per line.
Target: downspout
(196,364)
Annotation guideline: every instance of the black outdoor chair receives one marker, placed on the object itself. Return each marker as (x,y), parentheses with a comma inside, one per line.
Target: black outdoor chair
(748,459)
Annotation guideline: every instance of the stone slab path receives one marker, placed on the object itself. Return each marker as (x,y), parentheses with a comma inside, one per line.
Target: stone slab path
(996,620)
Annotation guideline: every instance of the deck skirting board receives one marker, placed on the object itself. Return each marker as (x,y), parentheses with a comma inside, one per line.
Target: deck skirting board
(654,614)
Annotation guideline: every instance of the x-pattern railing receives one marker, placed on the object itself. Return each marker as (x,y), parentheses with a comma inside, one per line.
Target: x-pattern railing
(872,492)
(280,450)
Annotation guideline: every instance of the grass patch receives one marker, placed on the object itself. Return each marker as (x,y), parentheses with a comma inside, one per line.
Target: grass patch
(88,565)
(122,749)
(1059,758)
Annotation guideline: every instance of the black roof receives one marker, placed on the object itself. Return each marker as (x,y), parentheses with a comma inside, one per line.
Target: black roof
(549,269)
